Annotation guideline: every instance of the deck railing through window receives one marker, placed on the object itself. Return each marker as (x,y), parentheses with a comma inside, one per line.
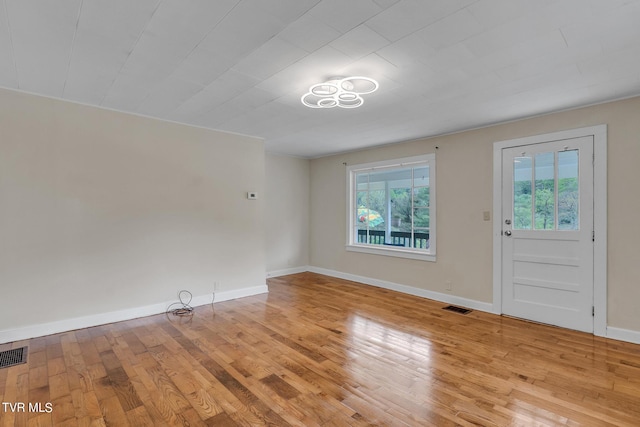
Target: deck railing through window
(397,238)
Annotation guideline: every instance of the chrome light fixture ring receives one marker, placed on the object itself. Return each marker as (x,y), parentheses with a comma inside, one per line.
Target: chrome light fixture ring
(339,92)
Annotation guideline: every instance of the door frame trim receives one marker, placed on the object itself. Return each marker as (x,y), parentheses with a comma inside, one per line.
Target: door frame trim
(599,134)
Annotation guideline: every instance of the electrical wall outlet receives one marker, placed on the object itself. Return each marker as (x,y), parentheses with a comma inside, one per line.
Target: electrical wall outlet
(448,285)
(216,285)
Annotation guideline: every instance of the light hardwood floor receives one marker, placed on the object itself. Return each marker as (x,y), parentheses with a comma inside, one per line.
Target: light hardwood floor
(319,351)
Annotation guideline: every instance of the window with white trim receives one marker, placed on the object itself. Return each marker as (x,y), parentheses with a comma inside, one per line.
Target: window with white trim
(391,207)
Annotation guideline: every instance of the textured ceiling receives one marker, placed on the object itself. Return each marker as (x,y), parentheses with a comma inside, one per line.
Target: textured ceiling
(242,65)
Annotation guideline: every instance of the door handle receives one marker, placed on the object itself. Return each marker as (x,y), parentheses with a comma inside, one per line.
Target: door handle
(507,233)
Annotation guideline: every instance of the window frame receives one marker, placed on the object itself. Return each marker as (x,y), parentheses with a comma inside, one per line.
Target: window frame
(402,252)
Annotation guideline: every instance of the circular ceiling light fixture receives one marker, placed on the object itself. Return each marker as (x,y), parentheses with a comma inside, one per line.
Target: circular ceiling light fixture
(339,92)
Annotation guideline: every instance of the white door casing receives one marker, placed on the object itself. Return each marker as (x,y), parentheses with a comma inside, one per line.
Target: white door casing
(555,275)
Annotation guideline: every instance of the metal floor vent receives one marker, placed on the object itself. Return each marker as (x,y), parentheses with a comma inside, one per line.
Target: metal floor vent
(457,309)
(13,357)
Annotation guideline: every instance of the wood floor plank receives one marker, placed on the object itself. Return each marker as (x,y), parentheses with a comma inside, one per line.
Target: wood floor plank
(320,351)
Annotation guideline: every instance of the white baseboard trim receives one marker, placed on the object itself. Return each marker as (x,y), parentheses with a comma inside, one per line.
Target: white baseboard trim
(612,332)
(287,271)
(436,296)
(238,293)
(623,335)
(33,331)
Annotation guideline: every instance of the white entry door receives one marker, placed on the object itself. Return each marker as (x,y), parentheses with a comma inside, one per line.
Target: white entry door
(547,232)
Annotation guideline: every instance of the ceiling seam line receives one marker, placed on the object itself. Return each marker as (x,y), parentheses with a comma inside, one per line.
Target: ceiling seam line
(133,48)
(73,44)
(13,51)
(187,55)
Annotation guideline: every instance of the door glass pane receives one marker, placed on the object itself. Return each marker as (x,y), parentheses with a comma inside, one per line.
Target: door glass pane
(568,191)
(522,206)
(545,198)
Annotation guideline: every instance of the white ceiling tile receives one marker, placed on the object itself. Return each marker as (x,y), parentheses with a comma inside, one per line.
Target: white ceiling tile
(270,58)
(317,67)
(200,103)
(450,58)
(106,53)
(408,16)
(203,66)
(309,33)
(344,15)
(166,98)
(613,65)
(612,89)
(8,72)
(561,78)
(518,31)
(359,42)
(229,85)
(87,84)
(491,13)
(286,11)
(188,20)
(154,59)
(612,29)
(93,70)
(126,93)
(535,56)
(36,13)
(215,117)
(252,98)
(42,35)
(242,65)
(117,19)
(385,3)
(243,29)
(450,30)
(373,66)
(155,55)
(253,103)
(408,51)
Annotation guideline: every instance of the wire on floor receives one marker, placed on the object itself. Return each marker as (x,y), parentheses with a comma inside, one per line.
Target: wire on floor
(183,308)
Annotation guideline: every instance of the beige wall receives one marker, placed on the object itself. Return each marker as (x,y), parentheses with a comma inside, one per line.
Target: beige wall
(464,191)
(286,212)
(103,211)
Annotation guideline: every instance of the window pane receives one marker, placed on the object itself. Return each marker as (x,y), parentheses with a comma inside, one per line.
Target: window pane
(400,209)
(421,238)
(522,210)
(421,217)
(362,178)
(568,191)
(377,209)
(545,198)
(421,176)
(361,229)
(362,199)
(421,196)
(393,176)
(391,205)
